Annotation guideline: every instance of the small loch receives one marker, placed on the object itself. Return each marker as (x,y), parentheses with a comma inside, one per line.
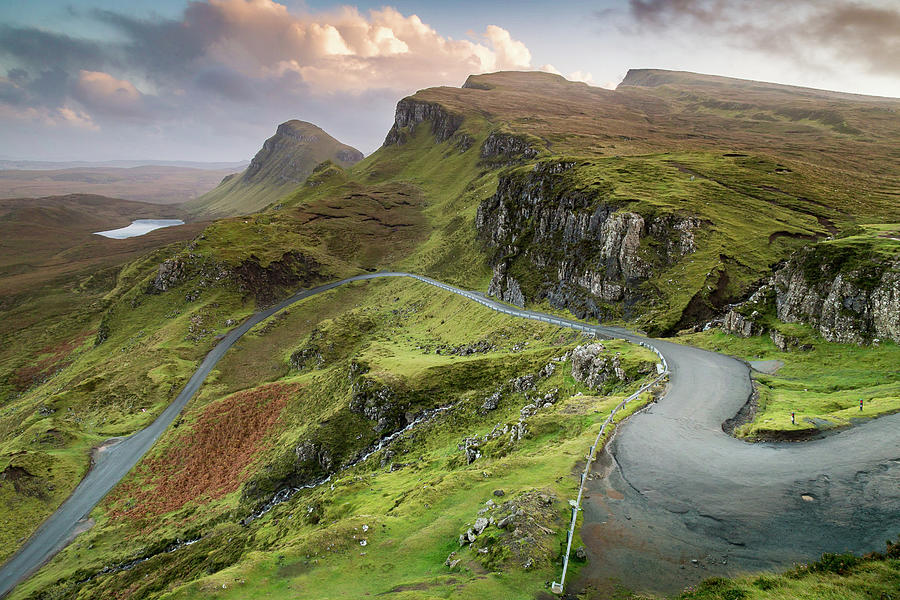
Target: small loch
(139,227)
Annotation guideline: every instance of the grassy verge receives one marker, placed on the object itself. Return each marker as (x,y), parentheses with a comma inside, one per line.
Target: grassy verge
(822,386)
(834,576)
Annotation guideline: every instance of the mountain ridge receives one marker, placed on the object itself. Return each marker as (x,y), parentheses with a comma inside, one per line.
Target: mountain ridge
(649,207)
(285,161)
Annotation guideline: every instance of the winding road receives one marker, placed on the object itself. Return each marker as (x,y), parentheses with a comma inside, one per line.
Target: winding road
(677,489)
(676,486)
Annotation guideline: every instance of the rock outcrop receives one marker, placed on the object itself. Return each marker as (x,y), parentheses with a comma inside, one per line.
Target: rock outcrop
(505,287)
(592,366)
(854,304)
(845,294)
(550,238)
(273,281)
(266,283)
(169,274)
(410,113)
(506,148)
(375,400)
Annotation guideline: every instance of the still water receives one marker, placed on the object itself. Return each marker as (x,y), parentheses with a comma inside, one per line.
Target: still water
(139,227)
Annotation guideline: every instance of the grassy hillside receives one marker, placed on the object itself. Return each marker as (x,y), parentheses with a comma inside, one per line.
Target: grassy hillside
(298,399)
(284,162)
(54,273)
(408,501)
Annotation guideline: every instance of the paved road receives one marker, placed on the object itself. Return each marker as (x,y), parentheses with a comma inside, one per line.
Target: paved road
(675,458)
(679,489)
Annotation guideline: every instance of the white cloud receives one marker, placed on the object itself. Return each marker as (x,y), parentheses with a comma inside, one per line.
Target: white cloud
(74,118)
(65,116)
(101,91)
(348,51)
(584,76)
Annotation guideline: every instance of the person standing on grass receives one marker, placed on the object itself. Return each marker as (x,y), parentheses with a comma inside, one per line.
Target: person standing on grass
(860,404)
(792,418)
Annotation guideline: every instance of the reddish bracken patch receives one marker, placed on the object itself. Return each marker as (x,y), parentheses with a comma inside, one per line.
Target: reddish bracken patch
(54,358)
(206,462)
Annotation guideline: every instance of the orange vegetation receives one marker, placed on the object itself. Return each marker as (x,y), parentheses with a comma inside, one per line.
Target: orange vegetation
(54,358)
(206,462)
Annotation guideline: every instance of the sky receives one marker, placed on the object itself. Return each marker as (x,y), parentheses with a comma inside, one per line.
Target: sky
(209,80)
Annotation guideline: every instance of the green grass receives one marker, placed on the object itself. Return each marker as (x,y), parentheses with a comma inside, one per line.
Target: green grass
(823,384)
(413,207)
(415,513)
(837,577)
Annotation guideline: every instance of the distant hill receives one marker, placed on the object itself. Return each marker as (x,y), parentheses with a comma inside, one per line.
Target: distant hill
(159,184)
(284,162)
(43,240)
(50,165)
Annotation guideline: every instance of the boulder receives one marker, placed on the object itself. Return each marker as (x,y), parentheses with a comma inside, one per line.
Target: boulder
(480,524)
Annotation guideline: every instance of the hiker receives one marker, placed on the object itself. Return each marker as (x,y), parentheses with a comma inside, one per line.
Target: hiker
(860,405)
(792,418)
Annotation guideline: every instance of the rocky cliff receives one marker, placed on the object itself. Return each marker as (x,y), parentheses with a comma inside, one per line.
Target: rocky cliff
(507,148)
(549,238)
(411,112)
(285,161)
(847,294)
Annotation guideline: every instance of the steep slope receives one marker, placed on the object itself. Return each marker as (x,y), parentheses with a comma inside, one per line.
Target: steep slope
(521,184)
(284,162)
(671,199)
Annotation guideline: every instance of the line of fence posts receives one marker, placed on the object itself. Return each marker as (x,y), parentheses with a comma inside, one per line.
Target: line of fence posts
(557,587)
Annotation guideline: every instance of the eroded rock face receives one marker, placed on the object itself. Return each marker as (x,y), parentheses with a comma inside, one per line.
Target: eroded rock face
(411,112)
(375,400)
(170,273)
(592,366)
(740,325)
(196,270)
(507,148)
(577,250)
(849,302)
(851,306)
(274,280)
(506,288)
(311,454)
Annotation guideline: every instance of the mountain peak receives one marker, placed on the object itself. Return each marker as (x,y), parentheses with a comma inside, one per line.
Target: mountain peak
(285,161)
(296,127)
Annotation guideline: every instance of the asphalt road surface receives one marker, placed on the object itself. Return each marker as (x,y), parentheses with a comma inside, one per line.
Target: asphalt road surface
(677,487)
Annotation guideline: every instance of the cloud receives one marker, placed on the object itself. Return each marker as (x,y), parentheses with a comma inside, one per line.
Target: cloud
(346,51)
(810,32)
(34,48)
(238,50)
(510,53)
(49,117)
(583,76)
(232,69)
(102,92)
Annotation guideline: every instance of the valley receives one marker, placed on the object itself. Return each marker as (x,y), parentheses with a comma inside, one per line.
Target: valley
(304,386)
